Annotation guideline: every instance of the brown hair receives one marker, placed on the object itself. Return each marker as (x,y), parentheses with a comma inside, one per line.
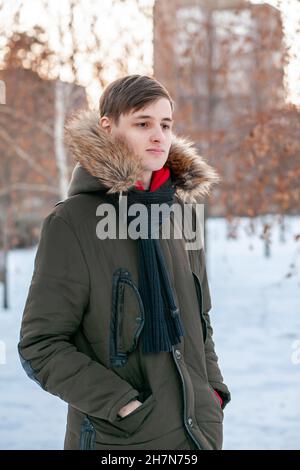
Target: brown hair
(132,92)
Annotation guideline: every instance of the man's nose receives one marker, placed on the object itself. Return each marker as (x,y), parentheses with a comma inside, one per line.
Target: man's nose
(157,134)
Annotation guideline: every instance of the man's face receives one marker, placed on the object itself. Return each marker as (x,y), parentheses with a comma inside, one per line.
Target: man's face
(147,131)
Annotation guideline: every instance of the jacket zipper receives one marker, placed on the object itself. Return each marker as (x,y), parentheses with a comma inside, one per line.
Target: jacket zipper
(141,318)
(184,399)
(119,319)
(88,435)
(200,301)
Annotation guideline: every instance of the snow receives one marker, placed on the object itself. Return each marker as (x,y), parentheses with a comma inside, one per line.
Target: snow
(30,418)
(256,320)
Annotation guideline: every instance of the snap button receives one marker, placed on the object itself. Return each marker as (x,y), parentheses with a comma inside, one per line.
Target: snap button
(190,422)
(177,354)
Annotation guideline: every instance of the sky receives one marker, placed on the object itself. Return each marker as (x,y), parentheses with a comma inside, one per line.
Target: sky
(112,21)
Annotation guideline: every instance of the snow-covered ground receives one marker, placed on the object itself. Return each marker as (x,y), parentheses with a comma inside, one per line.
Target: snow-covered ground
(256,318)
(256,321)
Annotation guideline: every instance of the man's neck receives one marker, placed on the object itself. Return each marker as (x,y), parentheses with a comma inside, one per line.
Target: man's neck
(145,179)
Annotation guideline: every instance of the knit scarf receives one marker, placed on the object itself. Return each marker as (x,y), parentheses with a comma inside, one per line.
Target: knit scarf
(163,327)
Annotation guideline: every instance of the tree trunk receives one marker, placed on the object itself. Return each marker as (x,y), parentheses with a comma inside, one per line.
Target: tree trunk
(60,153)
(4,257)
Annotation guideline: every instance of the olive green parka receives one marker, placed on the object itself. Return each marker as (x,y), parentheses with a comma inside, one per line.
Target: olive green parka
(79,337)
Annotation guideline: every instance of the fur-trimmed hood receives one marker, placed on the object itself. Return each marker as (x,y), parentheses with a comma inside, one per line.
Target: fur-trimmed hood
(104,163)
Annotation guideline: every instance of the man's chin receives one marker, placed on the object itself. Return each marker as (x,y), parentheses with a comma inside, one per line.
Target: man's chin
(155,168)
(156,165)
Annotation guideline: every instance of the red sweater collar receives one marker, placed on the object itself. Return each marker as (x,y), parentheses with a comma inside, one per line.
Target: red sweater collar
(158,178)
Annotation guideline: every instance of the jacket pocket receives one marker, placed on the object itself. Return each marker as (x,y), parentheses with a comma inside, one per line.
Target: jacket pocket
(127,317)
(124,427)
(215,396)
(200,301)
(87,435)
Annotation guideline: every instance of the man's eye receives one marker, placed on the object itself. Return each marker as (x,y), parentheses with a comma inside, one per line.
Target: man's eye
(144,124)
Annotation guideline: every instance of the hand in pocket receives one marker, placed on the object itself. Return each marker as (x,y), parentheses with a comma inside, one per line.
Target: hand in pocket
(129,408)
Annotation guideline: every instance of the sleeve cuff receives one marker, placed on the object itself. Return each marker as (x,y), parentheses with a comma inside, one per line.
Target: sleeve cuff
(222,391)
(220,399)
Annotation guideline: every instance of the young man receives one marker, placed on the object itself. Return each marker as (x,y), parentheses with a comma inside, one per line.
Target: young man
(118,326)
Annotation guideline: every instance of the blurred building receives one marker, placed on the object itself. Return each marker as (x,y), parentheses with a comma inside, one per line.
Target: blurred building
(223,64)
(29,178)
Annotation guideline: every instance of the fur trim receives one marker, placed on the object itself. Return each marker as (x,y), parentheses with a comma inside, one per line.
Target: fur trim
(117,168)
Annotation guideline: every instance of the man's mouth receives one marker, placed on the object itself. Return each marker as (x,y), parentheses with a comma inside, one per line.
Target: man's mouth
(156,151)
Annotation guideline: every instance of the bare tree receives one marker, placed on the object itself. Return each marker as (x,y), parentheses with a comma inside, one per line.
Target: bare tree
(33,49)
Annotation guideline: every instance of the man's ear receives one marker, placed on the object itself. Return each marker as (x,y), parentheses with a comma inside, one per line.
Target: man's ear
(104,123)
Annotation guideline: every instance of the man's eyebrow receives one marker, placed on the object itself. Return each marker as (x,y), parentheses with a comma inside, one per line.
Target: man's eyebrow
(145,116)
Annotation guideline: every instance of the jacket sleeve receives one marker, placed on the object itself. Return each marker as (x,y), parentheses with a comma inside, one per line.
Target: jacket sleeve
(57,298)
(215,377)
